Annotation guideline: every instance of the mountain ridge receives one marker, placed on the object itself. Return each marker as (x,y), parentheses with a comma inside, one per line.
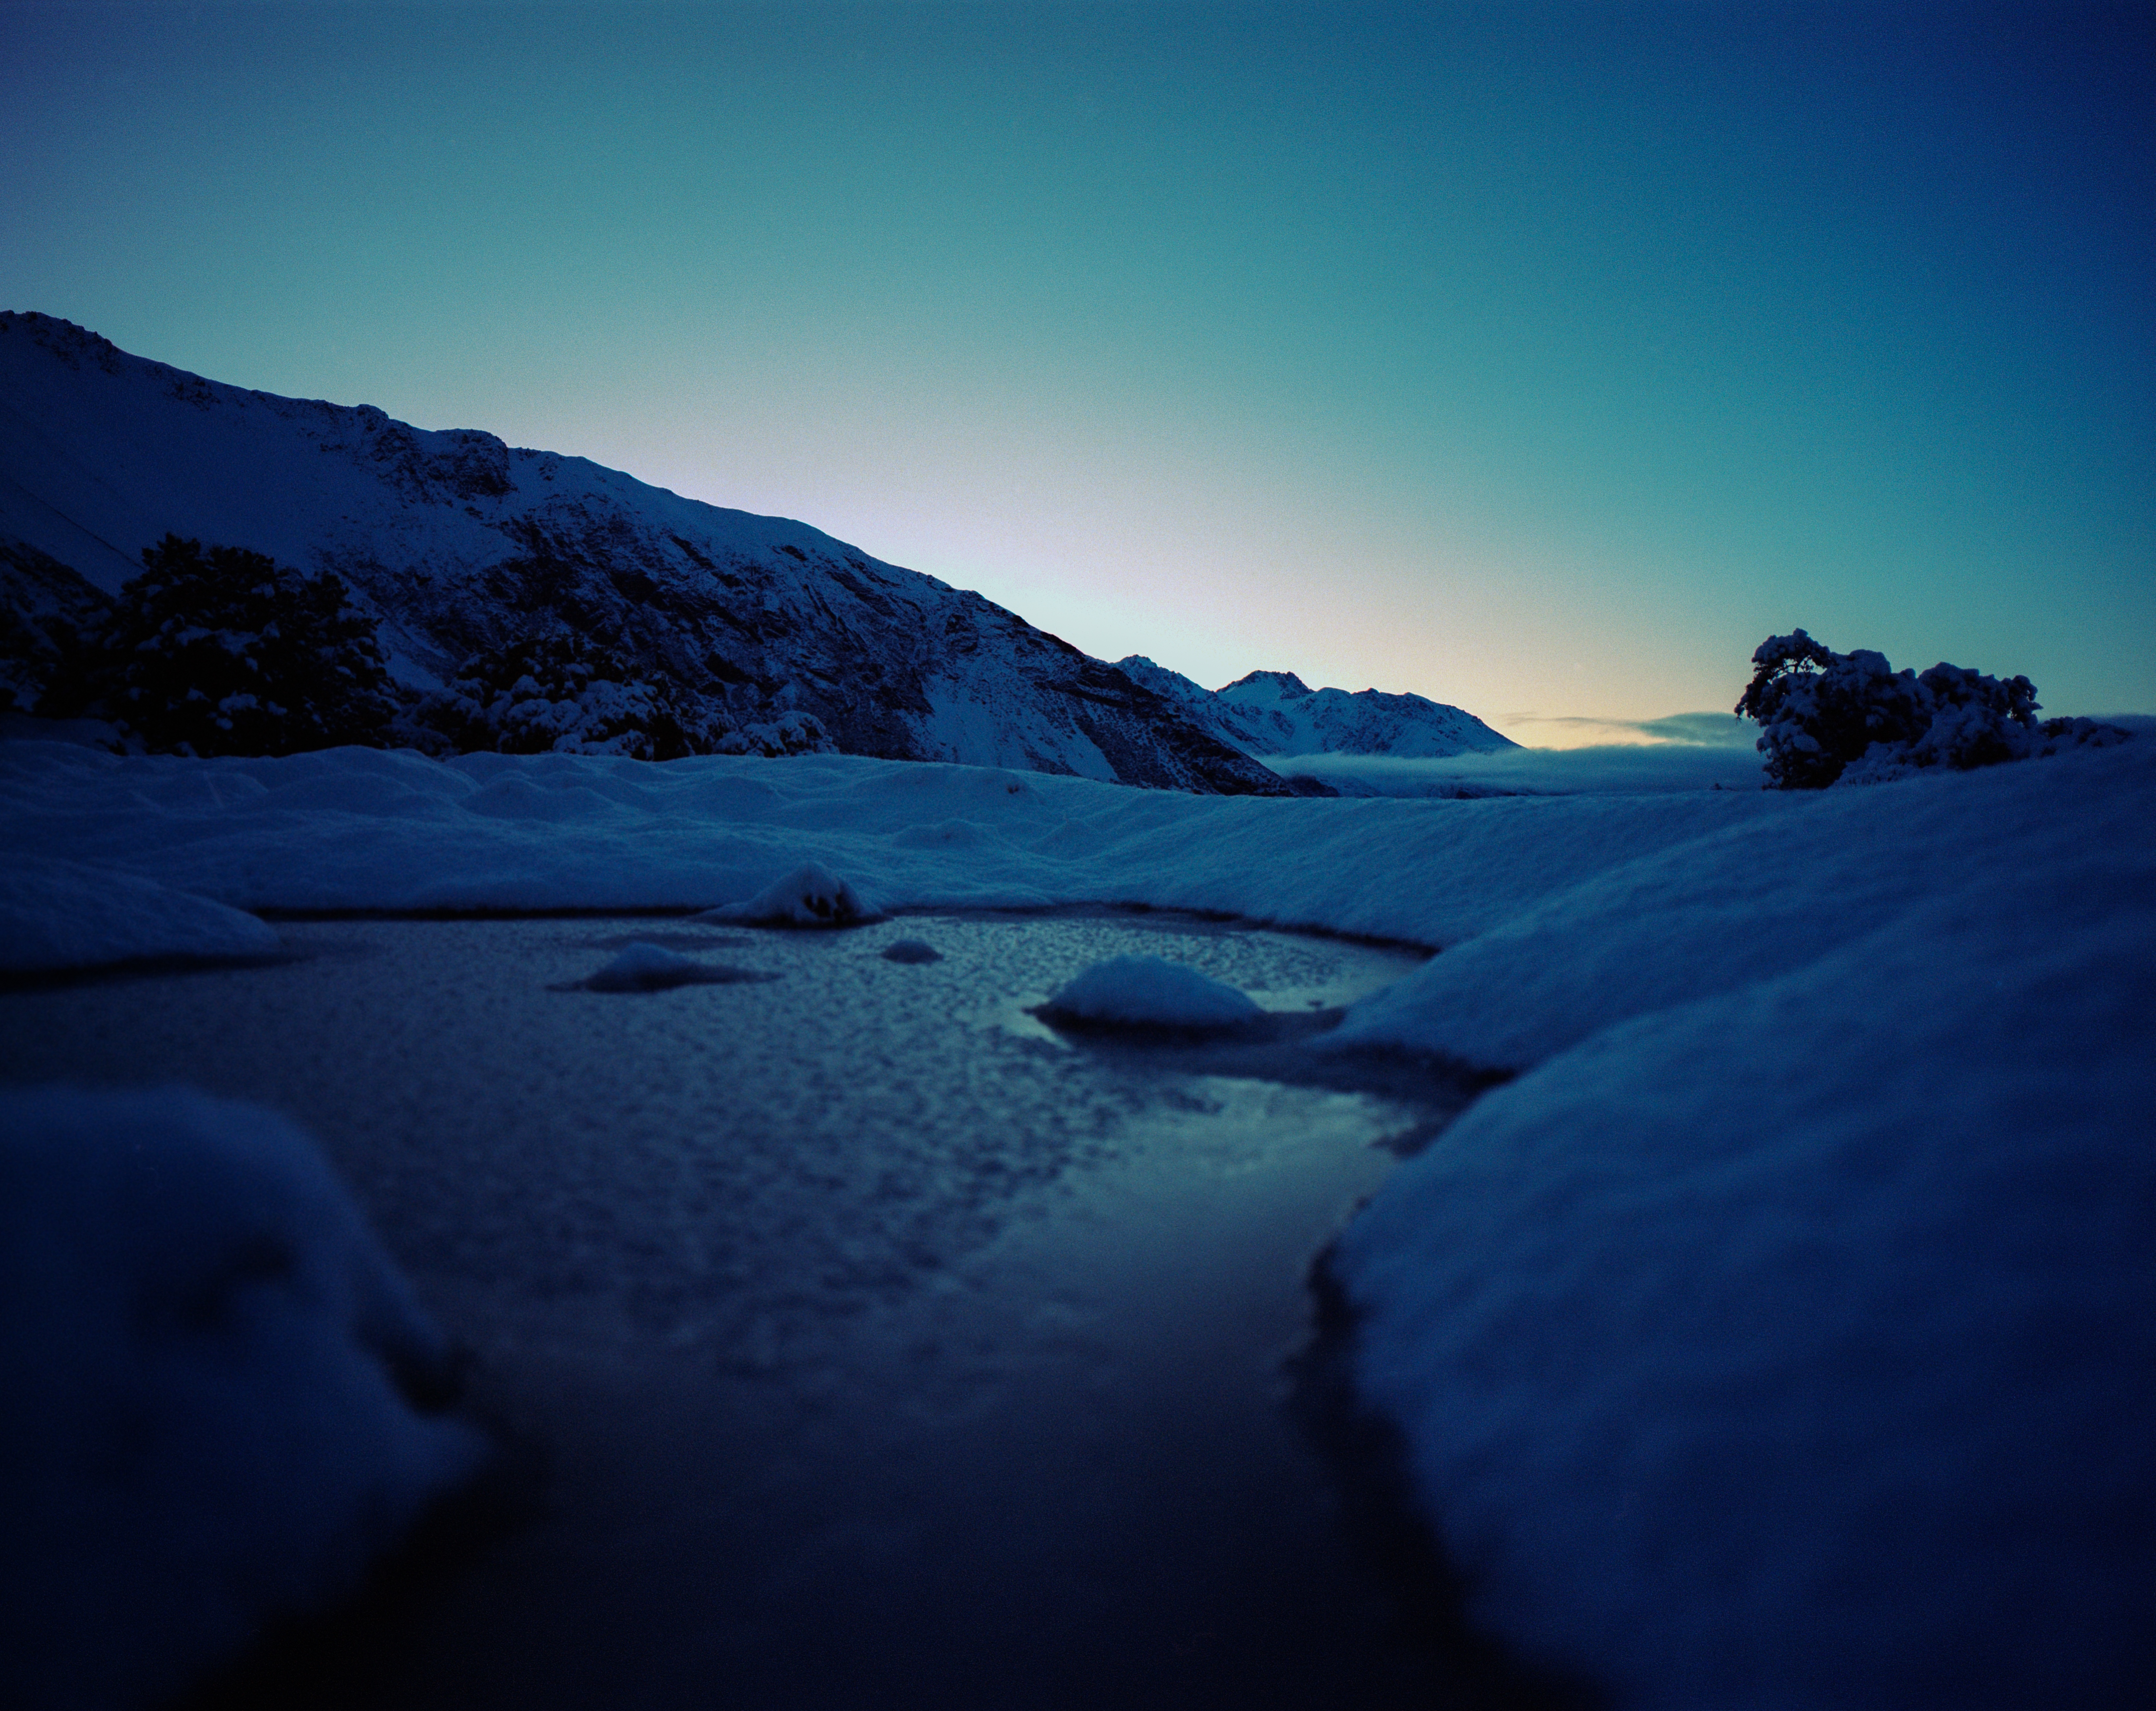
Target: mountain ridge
(760,633)
(456,543)
(1275,713)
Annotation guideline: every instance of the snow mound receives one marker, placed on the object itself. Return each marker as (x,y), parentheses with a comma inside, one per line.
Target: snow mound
(1795,1345)
(211,1370)
(641,967)
(810,896)
(57,915)
(1146,992)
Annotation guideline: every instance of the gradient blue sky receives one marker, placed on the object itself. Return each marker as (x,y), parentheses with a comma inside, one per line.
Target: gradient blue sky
(1540,359)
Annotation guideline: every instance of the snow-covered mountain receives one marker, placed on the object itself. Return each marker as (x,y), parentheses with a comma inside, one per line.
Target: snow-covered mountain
(459,544)
(1275,712)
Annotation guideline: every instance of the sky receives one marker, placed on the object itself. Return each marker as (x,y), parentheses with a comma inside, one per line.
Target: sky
(1540,359)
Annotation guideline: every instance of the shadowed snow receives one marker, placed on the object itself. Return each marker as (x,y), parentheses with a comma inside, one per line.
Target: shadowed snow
(210,1366)
(57,915)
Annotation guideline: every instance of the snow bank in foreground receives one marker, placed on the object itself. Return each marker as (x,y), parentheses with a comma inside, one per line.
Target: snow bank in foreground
(63,914)
(1715,913)
(1796,1345)
(1146,992)
(207,1361)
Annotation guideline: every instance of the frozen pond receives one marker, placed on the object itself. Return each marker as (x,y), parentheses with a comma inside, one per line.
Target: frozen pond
(882,1346)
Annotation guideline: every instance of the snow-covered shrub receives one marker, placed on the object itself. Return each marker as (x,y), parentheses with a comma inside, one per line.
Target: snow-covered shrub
(572,694)
(562,694)
(1852,718)
(790,733)
(224,651)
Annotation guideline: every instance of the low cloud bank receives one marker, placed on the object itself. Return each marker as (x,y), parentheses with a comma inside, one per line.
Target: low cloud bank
(1620,769)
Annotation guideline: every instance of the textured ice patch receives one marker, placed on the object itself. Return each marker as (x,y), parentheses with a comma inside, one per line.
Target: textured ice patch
(57,915)
(810,896)
(1146,992)
(219,1393)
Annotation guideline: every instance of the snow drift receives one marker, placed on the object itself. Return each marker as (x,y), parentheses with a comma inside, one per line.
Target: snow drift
(643,966)
(810,896)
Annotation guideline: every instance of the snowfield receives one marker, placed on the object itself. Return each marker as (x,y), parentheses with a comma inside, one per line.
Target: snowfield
(357,828)
(1783,1335)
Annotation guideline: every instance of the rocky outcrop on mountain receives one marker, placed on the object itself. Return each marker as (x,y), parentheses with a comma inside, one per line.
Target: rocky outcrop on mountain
(1275,713)
(756,632)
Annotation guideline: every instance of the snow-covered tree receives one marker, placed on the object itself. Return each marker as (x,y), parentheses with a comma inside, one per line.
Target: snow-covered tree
(223,651)
(1852,718)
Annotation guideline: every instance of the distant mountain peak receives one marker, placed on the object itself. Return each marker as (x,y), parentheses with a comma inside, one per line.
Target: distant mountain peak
(1266,713)
(1284,685)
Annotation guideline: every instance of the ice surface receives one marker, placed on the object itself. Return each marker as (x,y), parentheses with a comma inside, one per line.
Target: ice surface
(1150,992)
(57,915)
(209,1365)
(841,1308)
